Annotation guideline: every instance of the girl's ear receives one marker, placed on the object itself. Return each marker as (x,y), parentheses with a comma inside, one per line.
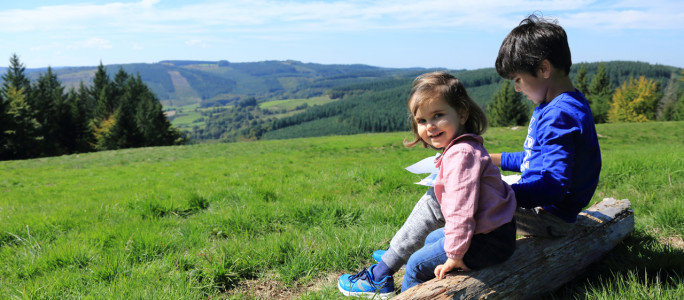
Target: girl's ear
(462,116)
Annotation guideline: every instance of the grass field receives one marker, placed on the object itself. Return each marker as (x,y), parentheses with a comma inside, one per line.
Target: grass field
(285,218)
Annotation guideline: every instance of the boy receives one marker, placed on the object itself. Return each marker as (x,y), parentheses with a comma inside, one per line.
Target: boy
(561,160)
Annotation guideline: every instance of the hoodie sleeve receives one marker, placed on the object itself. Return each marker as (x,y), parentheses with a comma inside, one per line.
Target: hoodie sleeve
(460,174)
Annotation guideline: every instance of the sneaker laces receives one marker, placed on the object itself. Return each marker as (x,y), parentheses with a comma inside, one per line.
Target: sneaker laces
(363,275)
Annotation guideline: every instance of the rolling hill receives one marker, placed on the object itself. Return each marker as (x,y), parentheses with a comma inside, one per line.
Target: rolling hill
(207,99)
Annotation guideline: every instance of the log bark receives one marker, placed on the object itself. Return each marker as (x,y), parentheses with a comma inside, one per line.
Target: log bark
(539,265)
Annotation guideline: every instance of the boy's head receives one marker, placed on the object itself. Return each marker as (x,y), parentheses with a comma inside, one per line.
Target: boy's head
(533,41)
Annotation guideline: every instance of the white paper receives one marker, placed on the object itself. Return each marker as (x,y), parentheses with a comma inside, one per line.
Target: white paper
(510,179)
(426,165)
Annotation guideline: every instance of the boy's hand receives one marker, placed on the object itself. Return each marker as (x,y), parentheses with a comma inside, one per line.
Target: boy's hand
(450,264)
(496,159)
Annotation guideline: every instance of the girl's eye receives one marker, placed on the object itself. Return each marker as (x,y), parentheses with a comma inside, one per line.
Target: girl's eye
(438,115)
(420,121)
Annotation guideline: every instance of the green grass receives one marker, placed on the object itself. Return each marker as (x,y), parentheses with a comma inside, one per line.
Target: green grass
(195,221)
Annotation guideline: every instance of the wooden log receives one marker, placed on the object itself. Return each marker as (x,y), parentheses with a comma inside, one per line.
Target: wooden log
(539,265)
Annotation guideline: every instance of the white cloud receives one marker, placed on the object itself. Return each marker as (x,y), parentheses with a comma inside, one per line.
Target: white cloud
(196,42)
(311,16)
(93,43)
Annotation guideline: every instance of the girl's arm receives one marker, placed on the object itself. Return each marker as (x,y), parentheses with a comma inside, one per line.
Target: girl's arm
(460,171)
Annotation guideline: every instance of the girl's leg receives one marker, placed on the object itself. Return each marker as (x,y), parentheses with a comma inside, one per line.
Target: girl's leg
(425,218)
(421,266)
(485,250)
(434,236)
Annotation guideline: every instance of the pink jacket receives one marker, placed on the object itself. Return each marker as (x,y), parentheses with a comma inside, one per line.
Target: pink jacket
(473,197)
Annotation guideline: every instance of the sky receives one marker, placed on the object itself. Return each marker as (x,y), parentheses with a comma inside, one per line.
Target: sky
(451,34)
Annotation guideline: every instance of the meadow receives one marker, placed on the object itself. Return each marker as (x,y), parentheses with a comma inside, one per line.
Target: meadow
(284,218)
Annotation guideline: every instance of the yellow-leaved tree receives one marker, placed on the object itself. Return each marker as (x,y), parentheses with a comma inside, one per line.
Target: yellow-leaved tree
(635,101)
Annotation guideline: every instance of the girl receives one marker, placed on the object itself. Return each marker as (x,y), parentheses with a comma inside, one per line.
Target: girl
(466,220)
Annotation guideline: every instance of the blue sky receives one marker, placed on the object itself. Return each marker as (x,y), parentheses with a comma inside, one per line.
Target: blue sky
(454,34)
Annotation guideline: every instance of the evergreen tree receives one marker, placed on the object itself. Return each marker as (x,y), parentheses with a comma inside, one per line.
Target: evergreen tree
(15,77)
(125,132)
(507,108)
(21,136)
(581,81)
(15,81)
(47,101)
(600,93)
(636,101)
(89,103)
(118,87)
(152,123)
(78,136)
(670,99)
(101,93)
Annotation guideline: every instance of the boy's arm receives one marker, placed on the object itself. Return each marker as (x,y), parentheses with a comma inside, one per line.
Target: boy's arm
(558,152)
(496,159)
(508,161)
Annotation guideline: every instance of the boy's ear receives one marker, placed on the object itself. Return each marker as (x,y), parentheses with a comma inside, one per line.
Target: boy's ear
(545,69)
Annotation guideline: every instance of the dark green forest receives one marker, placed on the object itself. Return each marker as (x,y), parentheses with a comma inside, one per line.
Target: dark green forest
(379,106)
(43,118)
(228,97)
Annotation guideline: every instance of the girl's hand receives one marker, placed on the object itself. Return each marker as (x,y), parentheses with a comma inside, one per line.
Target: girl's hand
(450,264)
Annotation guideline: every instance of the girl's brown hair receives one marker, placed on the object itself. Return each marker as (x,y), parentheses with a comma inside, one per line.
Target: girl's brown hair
(430,86)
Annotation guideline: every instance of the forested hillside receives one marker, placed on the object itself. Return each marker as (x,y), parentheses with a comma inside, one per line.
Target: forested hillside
(218,83)
(41,118)
(224,101)
(384,109)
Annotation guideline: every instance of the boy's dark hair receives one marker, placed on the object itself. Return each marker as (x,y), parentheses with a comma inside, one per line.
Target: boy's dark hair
(533,41)
(436,85)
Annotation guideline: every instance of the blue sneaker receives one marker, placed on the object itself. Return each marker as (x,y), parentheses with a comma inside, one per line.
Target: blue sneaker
(377,255)
(363,284)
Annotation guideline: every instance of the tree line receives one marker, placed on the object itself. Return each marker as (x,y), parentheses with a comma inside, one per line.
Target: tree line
(380,106)
(43,118)
(635,100)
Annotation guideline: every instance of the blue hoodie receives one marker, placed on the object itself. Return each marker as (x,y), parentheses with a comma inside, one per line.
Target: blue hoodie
(561,161)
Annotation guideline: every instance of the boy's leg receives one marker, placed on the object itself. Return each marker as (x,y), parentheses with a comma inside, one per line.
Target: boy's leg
(425,218)
(538,222)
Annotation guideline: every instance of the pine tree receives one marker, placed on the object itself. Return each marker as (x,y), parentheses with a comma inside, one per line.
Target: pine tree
(581,81)
(125,132)
(636,101)
(20,86)
(47,100)
(76,133)
(152,123)
(15,77)
(21,136)
(600,93)
(507,108)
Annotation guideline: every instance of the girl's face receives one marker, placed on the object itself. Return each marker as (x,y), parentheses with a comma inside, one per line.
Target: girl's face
(438,123)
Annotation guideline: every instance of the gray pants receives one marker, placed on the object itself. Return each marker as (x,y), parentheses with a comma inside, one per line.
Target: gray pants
(540,223)
(425,218)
